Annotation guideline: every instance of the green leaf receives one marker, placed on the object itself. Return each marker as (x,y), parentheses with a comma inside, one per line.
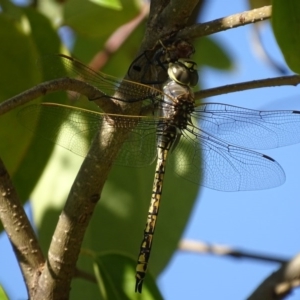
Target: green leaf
(35,155)
(3,295)
(210,53)
(17,60)
(286,24)
(115,273)
(113,4)
(89,19)
(119,62)
(259,3)
(11,10)
(25,43)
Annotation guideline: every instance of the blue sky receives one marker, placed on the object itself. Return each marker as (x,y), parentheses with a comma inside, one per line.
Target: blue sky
(258,221)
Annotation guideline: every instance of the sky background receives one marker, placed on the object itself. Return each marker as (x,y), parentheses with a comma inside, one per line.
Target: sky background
(259,221)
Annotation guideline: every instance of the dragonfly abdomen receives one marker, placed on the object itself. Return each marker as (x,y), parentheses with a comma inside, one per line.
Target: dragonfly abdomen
(146,245)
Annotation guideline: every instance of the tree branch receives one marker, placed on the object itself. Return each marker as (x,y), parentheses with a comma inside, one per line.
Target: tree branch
(165,20)
(61,84)
(20,232)
(222,24)
(200,247)
(293,80)
(279,284)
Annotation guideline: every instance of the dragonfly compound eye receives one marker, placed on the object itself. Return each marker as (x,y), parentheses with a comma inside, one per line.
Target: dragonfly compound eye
(183,72)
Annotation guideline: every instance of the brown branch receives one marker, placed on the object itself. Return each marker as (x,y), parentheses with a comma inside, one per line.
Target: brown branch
(222,24)
(62,84)
(177,14)
(280,283)
(277,286)
(165,19)
(19,232)
(74,219)
(293,80)
(200,247)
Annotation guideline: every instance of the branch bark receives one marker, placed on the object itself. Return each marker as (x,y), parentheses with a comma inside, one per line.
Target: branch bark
(201,248)
(293,80)
(279,284)
(61,84)
(20,232)
(222,24)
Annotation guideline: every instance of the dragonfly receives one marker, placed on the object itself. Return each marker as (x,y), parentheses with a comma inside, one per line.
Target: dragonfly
(211,142)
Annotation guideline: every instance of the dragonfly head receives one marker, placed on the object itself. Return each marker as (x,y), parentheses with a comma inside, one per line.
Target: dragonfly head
(184,72)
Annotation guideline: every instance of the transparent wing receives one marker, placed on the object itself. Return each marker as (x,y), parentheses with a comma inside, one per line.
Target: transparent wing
(74,129)
(205,160)
(223,167)
(128,91)
(249,128)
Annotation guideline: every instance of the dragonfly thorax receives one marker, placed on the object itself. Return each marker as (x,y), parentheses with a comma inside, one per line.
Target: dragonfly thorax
(177,105)
(175,109)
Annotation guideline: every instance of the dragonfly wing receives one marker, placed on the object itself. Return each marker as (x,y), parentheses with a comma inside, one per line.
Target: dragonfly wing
(71,129)
(139,149)
(128,91)
(74,129)
(249,128)
(208,161)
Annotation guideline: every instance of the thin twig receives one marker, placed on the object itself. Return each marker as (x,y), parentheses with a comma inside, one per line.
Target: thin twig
(293,80)
(275,287)
(201,247)
(222,24)
(61,84)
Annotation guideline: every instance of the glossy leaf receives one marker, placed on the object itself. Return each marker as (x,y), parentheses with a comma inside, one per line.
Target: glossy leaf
(32,162)
(210,53)
(90,19)
(286,24)
(3,295)
(117,65)
(115,274)
(259,3)
(114,4)
(17,74)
